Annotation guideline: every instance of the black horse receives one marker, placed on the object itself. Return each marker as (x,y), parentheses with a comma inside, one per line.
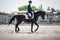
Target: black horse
(21,18)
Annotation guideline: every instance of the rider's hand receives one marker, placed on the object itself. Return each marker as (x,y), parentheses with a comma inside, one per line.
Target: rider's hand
(33,11)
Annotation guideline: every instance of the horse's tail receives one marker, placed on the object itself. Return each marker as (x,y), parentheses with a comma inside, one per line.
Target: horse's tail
(12,19)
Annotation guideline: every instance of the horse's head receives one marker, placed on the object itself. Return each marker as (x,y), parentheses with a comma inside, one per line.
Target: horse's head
(41,13)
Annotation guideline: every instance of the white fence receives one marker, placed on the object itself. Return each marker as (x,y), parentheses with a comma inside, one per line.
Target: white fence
(49,17)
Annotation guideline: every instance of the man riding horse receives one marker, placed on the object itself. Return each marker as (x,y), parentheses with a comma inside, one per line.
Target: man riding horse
(30,14)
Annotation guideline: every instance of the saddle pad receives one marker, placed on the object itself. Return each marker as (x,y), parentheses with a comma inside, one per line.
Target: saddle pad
(26,17)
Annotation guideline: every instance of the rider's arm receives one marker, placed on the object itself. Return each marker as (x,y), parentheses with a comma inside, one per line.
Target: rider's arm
(29,7)
(32,10)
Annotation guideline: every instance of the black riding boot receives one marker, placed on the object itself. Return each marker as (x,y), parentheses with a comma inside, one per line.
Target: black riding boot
(29,17)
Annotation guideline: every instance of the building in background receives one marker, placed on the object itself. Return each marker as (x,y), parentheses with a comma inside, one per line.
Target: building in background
(4,18)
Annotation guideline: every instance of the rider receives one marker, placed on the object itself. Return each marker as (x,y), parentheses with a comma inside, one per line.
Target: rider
(30,14)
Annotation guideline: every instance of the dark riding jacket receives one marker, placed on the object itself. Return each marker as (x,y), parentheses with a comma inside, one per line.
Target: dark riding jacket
(30,9)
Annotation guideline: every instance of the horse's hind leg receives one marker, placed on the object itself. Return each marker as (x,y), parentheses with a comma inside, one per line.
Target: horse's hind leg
(37,26)
(16,27)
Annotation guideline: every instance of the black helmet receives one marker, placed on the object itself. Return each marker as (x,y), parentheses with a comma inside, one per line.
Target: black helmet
(30,1)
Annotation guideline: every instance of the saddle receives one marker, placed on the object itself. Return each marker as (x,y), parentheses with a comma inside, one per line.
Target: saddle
(28,16)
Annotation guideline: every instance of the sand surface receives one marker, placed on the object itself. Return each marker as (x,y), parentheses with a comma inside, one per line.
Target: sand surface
(45,32)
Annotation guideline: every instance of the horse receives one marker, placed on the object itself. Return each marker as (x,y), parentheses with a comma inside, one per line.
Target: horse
(21,18)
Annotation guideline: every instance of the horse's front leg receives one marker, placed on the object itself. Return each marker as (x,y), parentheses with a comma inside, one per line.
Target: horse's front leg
(32,27)
(37,26)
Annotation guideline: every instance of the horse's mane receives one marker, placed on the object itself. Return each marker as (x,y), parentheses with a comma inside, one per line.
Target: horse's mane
(39,12)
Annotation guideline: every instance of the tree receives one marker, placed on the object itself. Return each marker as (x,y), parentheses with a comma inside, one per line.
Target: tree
(34,8)
(52,10)
(40,7)
(48,8)
(24,8)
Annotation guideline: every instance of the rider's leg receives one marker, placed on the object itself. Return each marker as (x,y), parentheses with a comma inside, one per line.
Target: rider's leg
(29,15)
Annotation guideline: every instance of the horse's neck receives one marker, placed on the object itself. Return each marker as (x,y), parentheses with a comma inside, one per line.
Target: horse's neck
(36,16)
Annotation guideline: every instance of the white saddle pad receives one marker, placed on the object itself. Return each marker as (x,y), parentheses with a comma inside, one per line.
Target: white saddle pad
(26,16)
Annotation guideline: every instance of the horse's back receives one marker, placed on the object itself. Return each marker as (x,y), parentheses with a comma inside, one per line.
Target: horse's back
(20,16)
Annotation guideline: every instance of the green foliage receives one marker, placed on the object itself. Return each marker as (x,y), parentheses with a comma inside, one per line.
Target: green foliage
(41,9)
(22,8)
(58,14)
(34,8)
(52,9)
(25,7)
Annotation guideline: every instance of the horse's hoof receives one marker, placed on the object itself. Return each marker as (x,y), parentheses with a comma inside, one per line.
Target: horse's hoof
(32,31)
(17,31)
(35,30)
